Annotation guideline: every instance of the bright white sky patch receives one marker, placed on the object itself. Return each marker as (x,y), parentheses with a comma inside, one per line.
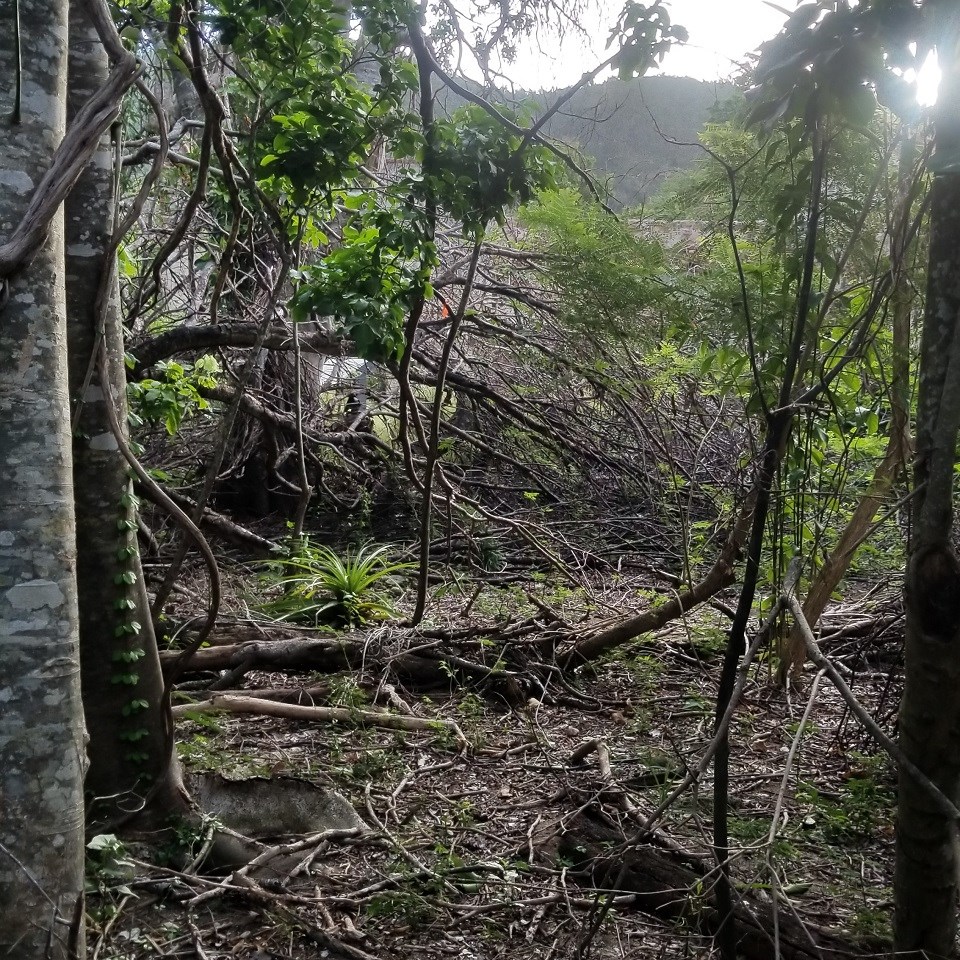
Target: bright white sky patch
(928,80)
(722,33)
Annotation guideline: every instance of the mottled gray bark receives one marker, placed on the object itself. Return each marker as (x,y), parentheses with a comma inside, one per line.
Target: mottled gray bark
(41,724)
(925,881)
(130,749)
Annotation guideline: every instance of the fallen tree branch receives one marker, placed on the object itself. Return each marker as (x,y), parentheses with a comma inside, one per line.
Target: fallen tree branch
(348,715)
(226,528)
(869,724)
(720,575)
(184,339)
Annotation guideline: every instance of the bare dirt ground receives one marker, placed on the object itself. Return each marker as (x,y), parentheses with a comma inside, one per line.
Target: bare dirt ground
(466,850)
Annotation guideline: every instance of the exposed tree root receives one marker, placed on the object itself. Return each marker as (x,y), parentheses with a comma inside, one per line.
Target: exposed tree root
(680,894)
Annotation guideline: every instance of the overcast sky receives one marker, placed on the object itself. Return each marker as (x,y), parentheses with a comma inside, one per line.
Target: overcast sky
(722,32)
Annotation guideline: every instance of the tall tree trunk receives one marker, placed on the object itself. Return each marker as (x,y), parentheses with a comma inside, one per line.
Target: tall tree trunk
(925,881)
(130,747)
(41,723)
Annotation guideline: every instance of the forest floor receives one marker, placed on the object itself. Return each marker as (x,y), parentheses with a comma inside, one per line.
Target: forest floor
(465,850)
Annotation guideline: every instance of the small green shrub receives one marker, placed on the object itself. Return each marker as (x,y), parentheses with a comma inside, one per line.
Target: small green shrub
(856,813)
(320,586)
(108,865)
(175,396)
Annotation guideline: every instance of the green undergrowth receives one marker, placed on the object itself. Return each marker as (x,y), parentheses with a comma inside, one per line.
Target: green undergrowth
(316,585)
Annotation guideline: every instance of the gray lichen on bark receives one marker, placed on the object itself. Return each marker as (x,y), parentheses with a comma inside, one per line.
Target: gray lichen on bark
(41,723)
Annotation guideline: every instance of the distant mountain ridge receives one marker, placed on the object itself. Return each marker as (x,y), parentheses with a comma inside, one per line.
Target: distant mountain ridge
(638,131)
(625,127)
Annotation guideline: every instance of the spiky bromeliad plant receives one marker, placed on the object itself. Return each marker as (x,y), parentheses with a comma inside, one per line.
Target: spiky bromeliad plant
(321,586)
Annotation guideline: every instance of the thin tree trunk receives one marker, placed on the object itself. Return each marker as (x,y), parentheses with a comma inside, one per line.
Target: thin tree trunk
(855,532)
(778,429)
(925,878)
(41,722)
(130,746)
(895,457)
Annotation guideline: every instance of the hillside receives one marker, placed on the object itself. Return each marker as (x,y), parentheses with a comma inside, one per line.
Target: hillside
(625,129)
(615,126)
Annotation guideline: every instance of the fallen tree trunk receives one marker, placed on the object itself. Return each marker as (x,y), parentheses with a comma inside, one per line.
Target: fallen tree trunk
(227,529)
(240,647)
(327,656)
(332,656)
